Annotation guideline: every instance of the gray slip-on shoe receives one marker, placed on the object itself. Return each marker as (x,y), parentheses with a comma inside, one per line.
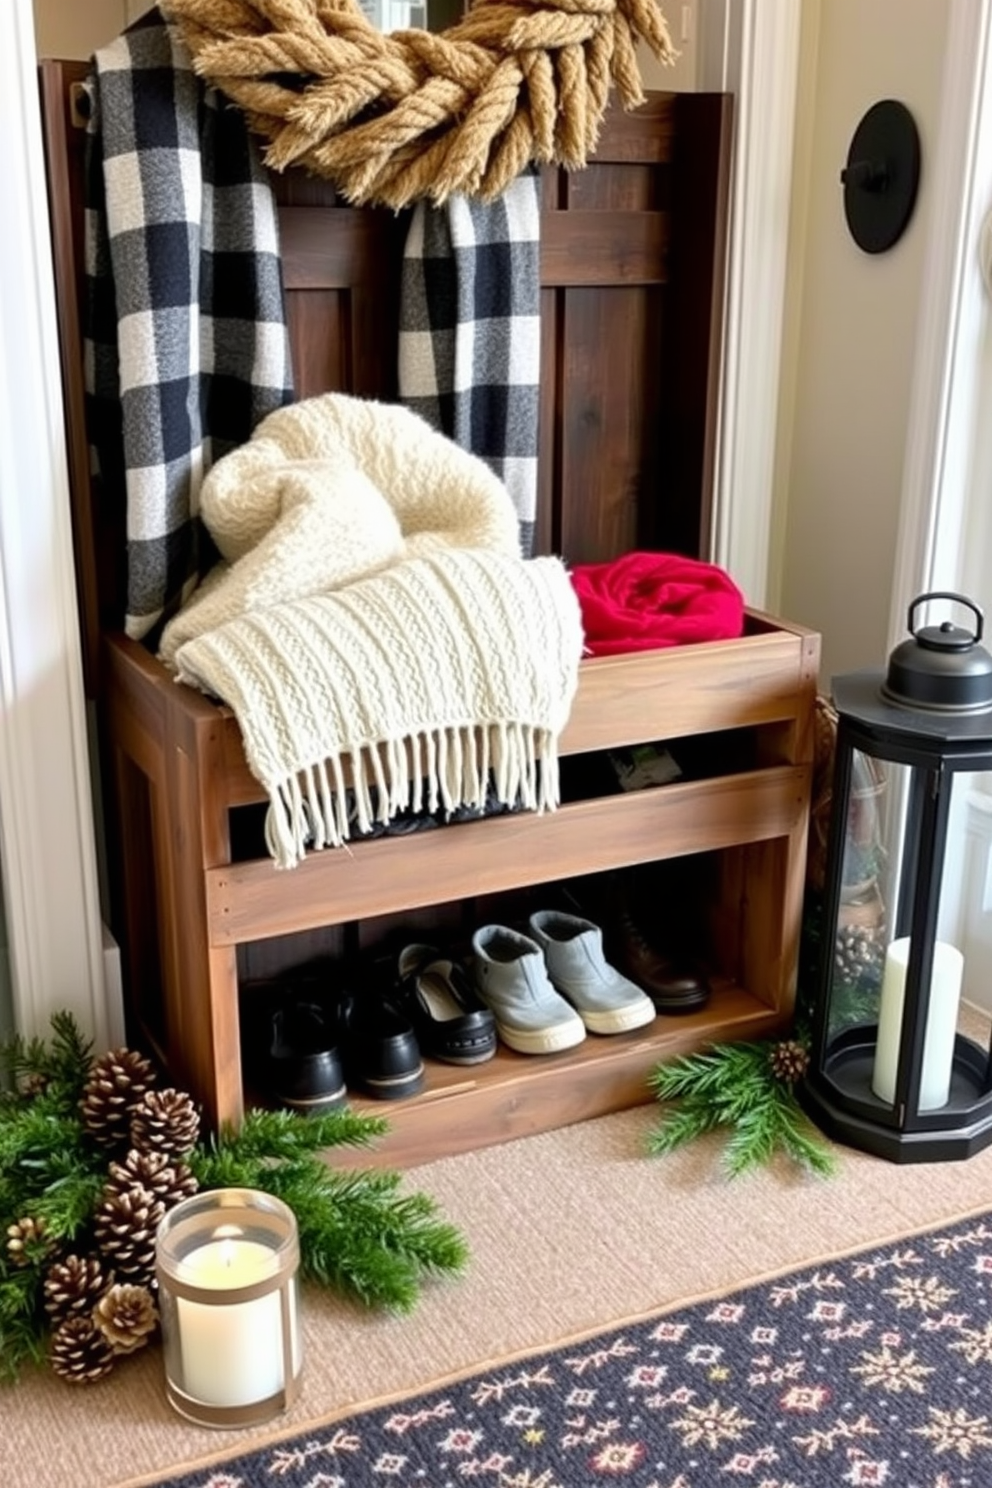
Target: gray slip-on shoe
(512,980)
(573,953)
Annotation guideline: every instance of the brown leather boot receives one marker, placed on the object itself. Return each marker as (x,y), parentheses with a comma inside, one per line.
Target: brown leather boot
(673,982)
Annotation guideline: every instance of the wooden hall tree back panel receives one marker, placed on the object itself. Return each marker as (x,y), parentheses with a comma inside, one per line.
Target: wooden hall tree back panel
(632,258)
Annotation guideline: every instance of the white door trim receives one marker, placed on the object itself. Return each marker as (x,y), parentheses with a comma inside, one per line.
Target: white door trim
(942,517)
(46,817)
(751,48)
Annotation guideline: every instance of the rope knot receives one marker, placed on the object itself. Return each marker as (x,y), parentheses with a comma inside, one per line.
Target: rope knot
(393,117)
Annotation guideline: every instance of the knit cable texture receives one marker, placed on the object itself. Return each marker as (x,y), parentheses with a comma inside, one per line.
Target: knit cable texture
(412,688)
(373,626)
(392,118)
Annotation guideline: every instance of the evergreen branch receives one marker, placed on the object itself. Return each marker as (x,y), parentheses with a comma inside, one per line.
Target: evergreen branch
(20,1334)
(286,1134)
(734,1086)
(359,1235)
(67,1205)
(753,1140)
(801,1141)
(62,1064)
(679,1127)
(713,1071)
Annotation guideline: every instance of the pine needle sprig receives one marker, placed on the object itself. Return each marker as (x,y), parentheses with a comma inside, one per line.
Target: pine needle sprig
(710,1072)
(58,1065)
(684,1124)
(46,1167)
(21,1341)
(357,1232)
(733,1087)
(800,1141)
(284,1135)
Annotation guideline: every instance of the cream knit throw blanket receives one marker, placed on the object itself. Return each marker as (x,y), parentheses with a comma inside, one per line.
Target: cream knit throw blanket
(374,629)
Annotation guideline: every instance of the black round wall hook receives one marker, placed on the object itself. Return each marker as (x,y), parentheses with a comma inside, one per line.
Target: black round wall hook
(881,176)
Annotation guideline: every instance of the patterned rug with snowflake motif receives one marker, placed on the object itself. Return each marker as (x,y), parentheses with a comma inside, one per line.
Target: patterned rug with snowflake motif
(874,1369)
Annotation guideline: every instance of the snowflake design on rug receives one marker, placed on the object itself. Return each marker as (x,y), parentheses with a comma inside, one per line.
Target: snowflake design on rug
(873,1371)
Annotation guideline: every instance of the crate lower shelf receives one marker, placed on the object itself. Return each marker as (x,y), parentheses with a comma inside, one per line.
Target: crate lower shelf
(516,1095)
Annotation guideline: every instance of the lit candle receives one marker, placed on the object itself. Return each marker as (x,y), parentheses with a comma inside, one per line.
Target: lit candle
(227,1262)
(941,1029)
(232,1353)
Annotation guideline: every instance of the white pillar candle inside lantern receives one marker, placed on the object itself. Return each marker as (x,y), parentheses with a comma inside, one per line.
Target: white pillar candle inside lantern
(941,1028)
(227,1263)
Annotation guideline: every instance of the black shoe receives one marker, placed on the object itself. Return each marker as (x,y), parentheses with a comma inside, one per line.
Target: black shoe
(450,1020)
(379,1047)
(302,1067)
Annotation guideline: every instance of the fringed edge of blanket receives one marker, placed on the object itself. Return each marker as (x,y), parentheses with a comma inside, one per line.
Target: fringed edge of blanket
(444,767)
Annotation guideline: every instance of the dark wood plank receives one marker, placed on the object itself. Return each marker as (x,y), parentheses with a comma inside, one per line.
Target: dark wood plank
(64,170)
(690,371)
(645,134)
(597,249)
(609,418)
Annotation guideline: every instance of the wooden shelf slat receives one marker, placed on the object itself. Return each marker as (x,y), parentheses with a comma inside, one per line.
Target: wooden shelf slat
(254,900)
(744,683)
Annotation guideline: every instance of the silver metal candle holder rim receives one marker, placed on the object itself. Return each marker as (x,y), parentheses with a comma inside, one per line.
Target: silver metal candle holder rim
(238,1206)
(230,1417)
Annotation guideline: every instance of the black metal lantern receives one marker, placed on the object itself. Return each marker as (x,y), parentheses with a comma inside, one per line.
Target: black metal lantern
(889,1070)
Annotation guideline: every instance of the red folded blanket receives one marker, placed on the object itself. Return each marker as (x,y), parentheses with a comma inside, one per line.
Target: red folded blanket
(642,600)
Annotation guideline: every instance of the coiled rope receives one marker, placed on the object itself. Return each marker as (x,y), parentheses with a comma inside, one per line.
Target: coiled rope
(390,118)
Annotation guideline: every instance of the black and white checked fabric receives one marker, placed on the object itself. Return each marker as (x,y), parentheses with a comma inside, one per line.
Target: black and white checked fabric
(470,331)
(186,341)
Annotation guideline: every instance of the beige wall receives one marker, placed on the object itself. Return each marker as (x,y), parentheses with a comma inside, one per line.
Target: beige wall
(75,28)
(851,330)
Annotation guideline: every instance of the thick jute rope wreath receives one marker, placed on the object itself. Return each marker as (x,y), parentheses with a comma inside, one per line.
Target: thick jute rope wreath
(391,118)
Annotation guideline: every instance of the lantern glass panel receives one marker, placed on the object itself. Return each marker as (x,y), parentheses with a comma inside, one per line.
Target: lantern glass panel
(861,931)
(894,893)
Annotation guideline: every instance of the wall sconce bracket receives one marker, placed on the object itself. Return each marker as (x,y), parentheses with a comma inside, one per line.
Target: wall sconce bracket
(881,176)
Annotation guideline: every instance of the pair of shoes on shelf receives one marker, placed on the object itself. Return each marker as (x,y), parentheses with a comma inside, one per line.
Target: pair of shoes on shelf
(547,989)
(450,1021)
(373,1039)
(309,1043)
(431,1009)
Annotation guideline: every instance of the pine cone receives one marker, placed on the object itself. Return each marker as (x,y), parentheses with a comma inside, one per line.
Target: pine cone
(28,1241)
(169,1180)
(79,1352)
(126,1316)
(33,1084)
(789,1061)
(859,954)
(124,1227)
(117,1082)
(72,1286)
(165,1121)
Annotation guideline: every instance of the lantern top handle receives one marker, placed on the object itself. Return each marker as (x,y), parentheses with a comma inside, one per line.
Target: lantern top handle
(962,599)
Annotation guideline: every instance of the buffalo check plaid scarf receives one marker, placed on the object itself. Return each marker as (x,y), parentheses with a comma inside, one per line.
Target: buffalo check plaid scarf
(186,343)
(470,334)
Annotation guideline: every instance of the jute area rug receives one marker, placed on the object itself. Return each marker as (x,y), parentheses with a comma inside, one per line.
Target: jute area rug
(577,1233)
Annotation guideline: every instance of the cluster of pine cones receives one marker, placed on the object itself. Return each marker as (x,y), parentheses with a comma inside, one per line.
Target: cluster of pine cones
(101,1304)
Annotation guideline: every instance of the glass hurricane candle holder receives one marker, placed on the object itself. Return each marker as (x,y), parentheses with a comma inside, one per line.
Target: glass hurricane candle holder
(227,1263)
